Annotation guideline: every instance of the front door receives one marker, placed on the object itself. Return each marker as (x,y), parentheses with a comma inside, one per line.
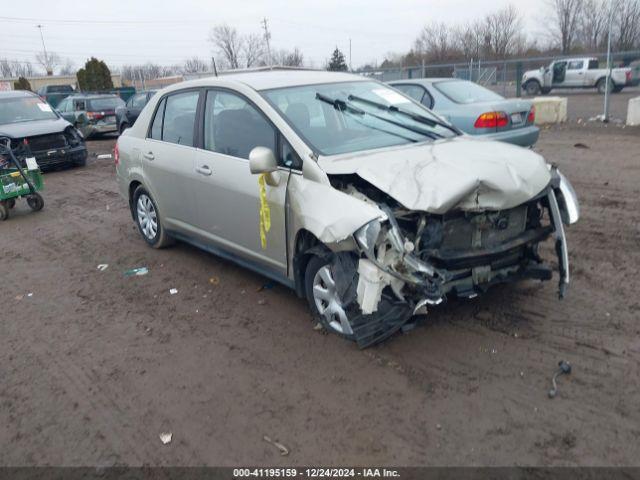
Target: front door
(228,195)
(168,158)
(559,71)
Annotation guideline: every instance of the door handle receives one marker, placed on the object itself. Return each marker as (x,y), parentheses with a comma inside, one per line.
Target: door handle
(148,155)
(204,170)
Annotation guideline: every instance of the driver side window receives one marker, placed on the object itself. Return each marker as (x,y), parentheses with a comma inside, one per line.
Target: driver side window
(233,126)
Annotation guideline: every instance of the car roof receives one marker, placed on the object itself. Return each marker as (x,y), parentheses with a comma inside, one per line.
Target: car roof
(17,94)
(266,80)
(425,80)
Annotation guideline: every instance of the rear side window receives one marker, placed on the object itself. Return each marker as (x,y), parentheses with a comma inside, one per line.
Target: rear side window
(593,64)
(414,91)
(180,118)
(156,127)
(575,65)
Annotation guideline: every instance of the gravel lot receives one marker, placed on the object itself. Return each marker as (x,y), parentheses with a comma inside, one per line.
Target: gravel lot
(95,365)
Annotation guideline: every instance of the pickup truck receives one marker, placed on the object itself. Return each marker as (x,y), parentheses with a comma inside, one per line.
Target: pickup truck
(575,73)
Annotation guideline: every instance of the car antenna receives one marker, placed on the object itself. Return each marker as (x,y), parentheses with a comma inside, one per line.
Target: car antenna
(215,70)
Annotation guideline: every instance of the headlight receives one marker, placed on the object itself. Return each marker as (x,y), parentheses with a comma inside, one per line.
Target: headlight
(367,236)
(568,200)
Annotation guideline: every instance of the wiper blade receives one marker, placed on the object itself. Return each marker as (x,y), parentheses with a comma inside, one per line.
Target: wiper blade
(341,105)
(414,116)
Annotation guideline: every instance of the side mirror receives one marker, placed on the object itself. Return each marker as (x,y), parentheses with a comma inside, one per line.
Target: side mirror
(262,160)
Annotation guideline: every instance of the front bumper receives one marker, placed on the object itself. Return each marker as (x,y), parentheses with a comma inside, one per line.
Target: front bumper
(61,156)
(524,136)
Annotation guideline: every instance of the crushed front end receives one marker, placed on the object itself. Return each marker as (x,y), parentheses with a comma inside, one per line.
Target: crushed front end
(407,259)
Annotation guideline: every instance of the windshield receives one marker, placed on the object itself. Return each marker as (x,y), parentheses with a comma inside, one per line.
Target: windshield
(463,91)
(334,119)
(24,109)
(108,103)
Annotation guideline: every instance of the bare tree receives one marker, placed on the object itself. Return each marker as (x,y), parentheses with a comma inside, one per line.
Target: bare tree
(69,68)
(435,42)
(194,65)
(592,24)
(5,68)
(502,30)
(253,49)
(288,58)
(626,24)
(228,43)
(564,22)
(49,61)
(470,39)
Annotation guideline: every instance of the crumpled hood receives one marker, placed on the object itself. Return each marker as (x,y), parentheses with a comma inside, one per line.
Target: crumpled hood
(30,129)
(461,173)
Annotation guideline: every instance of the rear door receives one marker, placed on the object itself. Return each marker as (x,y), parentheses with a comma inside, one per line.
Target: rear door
(168,158)
(574,76)
(227,193)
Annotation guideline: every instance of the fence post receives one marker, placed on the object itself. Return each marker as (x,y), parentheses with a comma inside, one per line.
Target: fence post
(519,79)
(424,72)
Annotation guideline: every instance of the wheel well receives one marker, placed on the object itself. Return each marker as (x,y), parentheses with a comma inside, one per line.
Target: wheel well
(305,244)
(531,80)
(132,188)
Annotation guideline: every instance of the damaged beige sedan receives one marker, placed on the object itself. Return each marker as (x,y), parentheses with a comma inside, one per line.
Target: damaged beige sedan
(362,200)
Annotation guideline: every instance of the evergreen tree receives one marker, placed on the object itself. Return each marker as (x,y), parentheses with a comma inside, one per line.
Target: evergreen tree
(95,76)
(337,63)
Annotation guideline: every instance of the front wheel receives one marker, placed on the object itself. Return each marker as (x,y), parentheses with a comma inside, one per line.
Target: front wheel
(532,88)
(148,219)
(324,298)
(4,212)
(35,202)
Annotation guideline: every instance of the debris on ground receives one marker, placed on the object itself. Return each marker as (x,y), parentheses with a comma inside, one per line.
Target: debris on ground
(581,145)
(104,156)
(262,301)
(165,437)
(173,291)
(283,450)
(214,280)
(136,272)
(19,297)
(565,368)
(29,294)
(318,327)
(266,286)
(103,266)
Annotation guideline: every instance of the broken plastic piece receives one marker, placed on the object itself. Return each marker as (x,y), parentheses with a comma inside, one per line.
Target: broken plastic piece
(173,291)
(370,285)
(136,272)
(103,266)
(165,437)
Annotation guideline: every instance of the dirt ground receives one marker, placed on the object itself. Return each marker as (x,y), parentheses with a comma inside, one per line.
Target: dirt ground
(95,365)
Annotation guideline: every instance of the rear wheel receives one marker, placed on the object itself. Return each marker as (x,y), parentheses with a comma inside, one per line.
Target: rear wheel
(602,86)
(148,219)
(324,298)
(532,87)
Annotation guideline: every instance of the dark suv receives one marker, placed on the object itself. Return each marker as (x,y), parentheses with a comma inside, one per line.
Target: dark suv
(127,115)
(24,116)
(92,114)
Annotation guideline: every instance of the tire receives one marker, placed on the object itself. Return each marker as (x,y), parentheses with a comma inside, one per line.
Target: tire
(334,318)
(532,87)
(11,203)
(123,127)
(4,212)
(36,202)
(617,89)
(148,219)
(546,91)
(602,86)
(82,162)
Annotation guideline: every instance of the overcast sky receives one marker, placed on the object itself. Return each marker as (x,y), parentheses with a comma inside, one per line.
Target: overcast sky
(167,32)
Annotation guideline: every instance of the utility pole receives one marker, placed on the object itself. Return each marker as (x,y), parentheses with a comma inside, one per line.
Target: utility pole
(46,56)
(605,116)
(267,37)
(213,64)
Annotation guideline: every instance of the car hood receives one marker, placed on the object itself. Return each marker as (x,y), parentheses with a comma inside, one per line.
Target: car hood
(30,129)
(461,173)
